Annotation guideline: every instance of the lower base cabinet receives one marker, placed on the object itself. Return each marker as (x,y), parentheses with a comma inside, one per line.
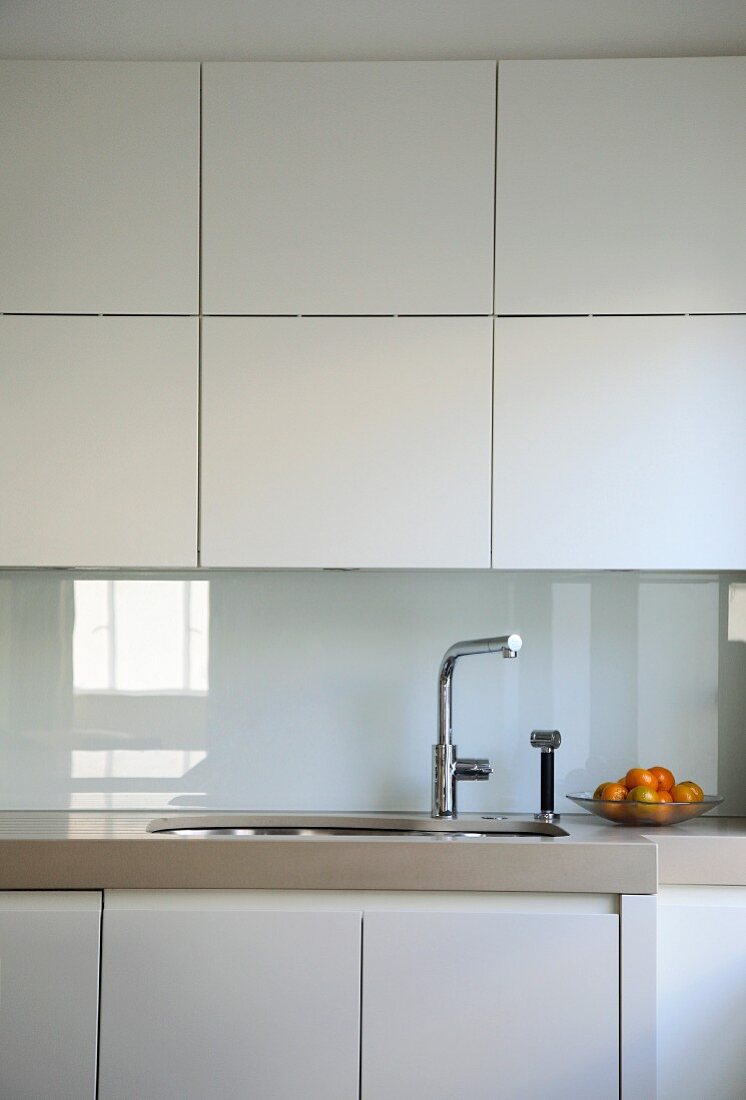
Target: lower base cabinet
(490,1006)
(49,966)
(702,993)
(208,996)
(281,995)
(259,995)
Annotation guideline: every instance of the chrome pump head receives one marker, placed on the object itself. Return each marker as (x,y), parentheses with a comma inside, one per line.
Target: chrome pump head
(547,740)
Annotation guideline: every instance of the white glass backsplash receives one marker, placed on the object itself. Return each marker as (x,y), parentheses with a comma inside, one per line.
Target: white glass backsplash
(317,691)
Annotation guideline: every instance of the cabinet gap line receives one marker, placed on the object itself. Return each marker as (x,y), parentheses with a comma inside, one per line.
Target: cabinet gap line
(97,1060)
(199,195)
(638,315)
(492,450)
(198,517)
(537,316)
(26,313)
(360,1017)
(494,204)
(342,316)
(198,471)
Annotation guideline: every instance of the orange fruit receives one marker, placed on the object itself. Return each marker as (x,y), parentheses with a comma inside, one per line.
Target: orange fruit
(664,796)
(639,777)
(695,787)
(664,776)
(614,792)
(600,787)
(683,792)
(643,792)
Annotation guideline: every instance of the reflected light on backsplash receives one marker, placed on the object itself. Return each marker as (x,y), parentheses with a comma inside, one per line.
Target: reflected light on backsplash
(317,690)
(737,613)
(133,763)
(141,636)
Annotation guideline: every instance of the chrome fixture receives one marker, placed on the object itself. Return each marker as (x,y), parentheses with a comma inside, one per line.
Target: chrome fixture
(448,769)
(548,741)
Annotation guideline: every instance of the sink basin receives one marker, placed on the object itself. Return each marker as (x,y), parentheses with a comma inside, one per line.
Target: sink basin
(277,825)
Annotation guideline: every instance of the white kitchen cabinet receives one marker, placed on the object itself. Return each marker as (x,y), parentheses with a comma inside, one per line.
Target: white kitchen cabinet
(99,192)
(620,186)
(98,441)
(348,188)
(49,957)
(492,1005)
(701,992)
(204,995)
(620,443)
(346,442)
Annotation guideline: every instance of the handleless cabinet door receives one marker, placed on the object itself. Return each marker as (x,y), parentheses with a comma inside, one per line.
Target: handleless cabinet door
(701,992)
(348,187)
(620,186)
(98,441)
(627,443)
(209,998)
(49,960)
(346,442)
(99,188)
(490,1006)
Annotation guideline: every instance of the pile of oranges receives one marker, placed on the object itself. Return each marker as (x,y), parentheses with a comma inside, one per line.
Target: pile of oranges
(655,784)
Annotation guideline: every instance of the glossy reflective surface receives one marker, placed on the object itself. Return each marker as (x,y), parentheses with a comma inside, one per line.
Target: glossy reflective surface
(364,826)
(314,691)
(362,833)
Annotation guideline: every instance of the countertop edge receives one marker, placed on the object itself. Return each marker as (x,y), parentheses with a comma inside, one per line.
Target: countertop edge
(52,850)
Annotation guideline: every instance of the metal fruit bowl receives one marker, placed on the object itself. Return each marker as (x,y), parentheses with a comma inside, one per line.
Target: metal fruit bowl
(645,813)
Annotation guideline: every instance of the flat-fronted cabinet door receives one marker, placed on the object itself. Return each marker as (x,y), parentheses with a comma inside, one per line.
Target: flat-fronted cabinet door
(348,187)
(98,441)
(620,186)
(49,959)
(490,1006)
(701,992)
(206,998)
(346,442)
(99,189)
(627,443)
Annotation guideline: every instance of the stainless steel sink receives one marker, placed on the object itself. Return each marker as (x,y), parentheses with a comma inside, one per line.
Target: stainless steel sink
(360,826)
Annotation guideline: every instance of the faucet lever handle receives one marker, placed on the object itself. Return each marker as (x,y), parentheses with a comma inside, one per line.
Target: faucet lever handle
(472,768)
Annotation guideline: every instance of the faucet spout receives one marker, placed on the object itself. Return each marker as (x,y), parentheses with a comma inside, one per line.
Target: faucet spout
(448,769)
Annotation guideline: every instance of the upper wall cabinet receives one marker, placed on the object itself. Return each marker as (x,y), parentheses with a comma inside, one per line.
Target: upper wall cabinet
(348,188)
(628,443)
(346,442)
(99,190)
(98,441)
(620,186)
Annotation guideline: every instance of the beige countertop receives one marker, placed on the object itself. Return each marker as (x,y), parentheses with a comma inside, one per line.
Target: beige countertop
(112,850)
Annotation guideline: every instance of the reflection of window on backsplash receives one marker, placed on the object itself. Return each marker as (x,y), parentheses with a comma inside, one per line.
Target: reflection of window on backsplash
(141,636)
(737,613)
(133,763)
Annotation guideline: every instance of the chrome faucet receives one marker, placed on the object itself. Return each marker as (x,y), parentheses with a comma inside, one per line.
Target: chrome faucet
(448,769)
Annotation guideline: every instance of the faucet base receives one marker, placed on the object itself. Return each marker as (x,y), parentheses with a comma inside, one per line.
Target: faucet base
(448,770)
(444,786)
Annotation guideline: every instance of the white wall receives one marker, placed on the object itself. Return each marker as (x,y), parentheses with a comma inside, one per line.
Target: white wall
(368,29)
